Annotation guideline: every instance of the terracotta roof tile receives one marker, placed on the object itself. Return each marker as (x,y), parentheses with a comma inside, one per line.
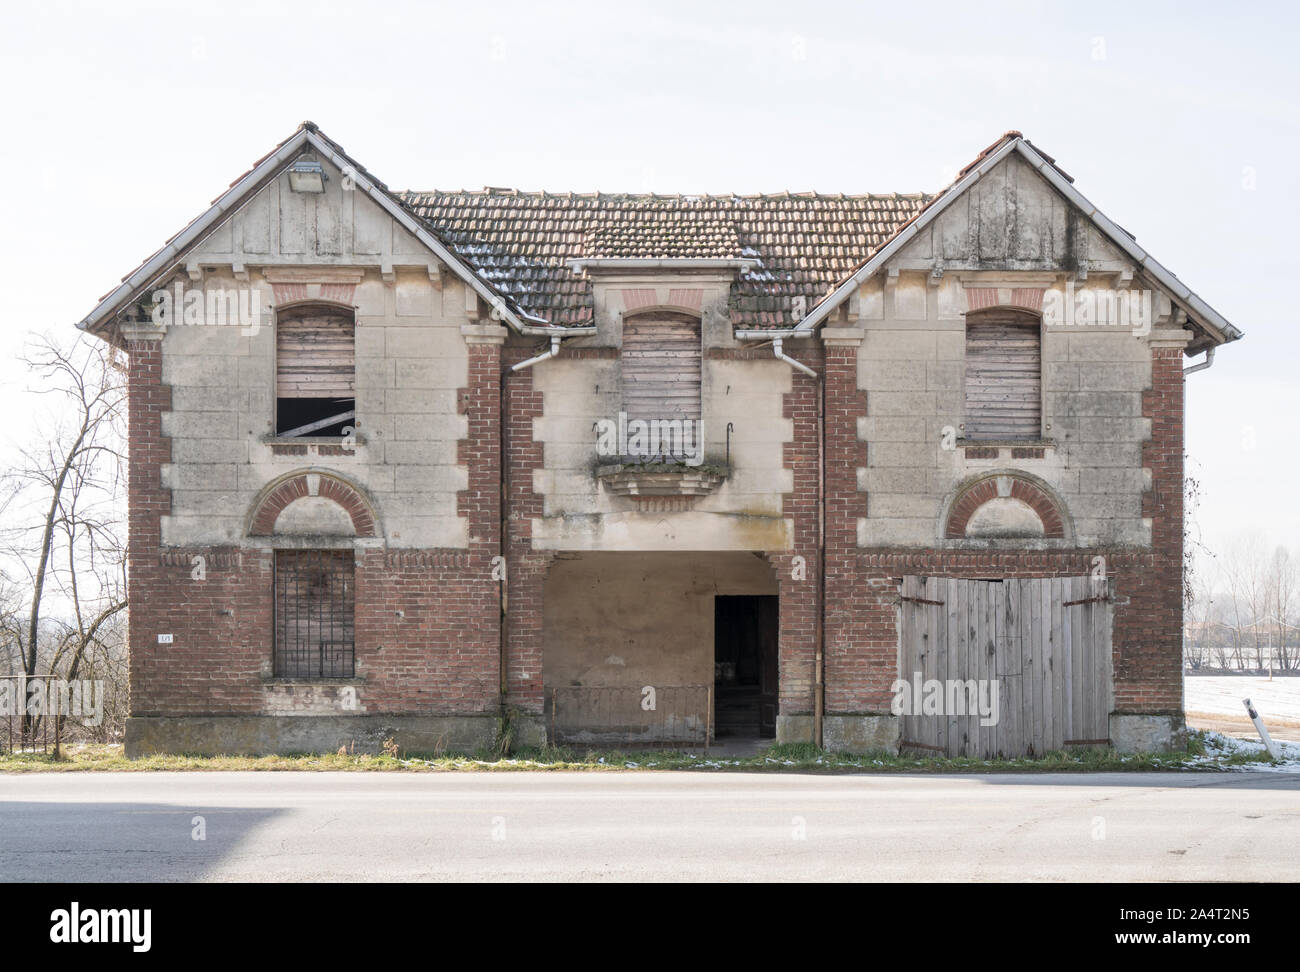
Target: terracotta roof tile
(803,244)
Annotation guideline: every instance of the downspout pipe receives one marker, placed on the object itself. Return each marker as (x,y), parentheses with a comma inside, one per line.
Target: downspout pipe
(555,349)
(797,365)
(1209,360)
(819,667)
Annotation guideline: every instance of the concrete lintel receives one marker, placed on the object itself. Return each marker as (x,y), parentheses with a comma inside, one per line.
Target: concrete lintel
(1170,338)
(842,337)
(484,333)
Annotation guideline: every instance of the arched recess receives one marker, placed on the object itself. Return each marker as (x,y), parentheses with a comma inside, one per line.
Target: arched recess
(1005,505)
(300,490)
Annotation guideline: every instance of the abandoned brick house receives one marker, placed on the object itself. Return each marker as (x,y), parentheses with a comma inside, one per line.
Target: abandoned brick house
(654,467)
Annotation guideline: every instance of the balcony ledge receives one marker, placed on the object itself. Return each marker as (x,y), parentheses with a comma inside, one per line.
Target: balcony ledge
(660,478)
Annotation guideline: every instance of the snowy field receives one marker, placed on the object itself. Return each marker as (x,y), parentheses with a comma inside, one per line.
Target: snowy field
(1276,701)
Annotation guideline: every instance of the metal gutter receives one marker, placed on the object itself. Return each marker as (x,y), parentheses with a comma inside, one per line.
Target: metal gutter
(218,211)
(868,269)
(417,229)
(1221,329)
(225,206)
(1193,304)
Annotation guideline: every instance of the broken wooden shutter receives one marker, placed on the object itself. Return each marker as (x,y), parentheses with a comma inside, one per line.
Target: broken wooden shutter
(315,371)
(661,367)
(315,354)
(1003,376)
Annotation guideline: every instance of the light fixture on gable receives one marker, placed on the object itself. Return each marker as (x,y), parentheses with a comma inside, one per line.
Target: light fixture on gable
(307,175)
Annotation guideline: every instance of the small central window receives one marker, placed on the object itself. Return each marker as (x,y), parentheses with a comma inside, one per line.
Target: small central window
(1003,376)
(661,371)
(315,371)
(314,609)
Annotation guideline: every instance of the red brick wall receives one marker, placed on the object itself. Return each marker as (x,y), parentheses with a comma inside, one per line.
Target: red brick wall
(799,598)
(861,626)
(439,655)
(528,568)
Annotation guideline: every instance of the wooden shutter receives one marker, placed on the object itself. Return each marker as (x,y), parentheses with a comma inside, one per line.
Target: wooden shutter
(661,367)
(315,354)
(1003,377)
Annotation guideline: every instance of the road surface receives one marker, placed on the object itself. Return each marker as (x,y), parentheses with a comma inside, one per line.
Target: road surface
(641,826)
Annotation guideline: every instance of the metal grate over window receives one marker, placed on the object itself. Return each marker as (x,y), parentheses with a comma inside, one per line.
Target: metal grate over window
(314,604)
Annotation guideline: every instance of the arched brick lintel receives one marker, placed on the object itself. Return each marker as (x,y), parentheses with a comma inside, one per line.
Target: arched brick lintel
(980,492)
(273,500)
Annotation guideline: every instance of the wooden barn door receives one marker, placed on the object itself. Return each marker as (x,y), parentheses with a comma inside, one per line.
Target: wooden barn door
(1044,643)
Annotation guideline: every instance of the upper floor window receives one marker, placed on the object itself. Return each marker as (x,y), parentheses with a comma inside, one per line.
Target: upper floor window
(315,370)
(1004,387)
(661,371)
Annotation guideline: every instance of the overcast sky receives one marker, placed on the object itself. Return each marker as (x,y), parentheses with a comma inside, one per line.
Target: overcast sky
(1179,120)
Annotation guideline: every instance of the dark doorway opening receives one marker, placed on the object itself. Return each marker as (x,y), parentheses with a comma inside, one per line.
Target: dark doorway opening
(745,665)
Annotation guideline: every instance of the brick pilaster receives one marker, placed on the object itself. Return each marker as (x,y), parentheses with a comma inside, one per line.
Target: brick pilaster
(528,568)
(798,581)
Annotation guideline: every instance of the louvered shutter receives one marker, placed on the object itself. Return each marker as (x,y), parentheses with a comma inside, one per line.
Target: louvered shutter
(661,367)
(315,354)
(1003,377)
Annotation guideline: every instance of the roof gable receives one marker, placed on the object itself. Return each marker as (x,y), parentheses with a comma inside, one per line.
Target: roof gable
(800,255)
(1213,326)
(247,187)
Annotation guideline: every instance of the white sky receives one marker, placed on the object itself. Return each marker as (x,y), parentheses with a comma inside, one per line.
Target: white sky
(1180,121)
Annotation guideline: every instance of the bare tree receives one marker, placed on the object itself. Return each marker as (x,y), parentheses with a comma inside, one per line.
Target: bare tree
(64,501)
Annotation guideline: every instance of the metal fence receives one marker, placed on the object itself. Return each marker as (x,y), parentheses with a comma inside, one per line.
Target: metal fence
(632,716)
(26,722)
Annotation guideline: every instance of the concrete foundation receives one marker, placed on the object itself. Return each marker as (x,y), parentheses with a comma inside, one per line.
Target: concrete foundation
(283,735)
(860,733)
(1141,733)
(794,728)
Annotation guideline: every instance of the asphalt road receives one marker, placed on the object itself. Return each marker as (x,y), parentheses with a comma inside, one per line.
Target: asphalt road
(647,827)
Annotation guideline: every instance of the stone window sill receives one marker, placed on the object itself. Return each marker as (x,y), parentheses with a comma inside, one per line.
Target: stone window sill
(1006,448)
(313,439)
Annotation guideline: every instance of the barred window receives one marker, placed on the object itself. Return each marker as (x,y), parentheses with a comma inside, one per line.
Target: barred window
(314,604)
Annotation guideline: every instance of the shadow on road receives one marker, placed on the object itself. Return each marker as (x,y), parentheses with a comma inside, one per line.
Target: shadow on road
(65,841)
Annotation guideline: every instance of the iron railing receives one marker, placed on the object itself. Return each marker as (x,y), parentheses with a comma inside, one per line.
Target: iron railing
(632,716)
(24,727)
(314,611)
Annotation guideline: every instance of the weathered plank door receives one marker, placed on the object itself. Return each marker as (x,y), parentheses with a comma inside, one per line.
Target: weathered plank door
(1043,645)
